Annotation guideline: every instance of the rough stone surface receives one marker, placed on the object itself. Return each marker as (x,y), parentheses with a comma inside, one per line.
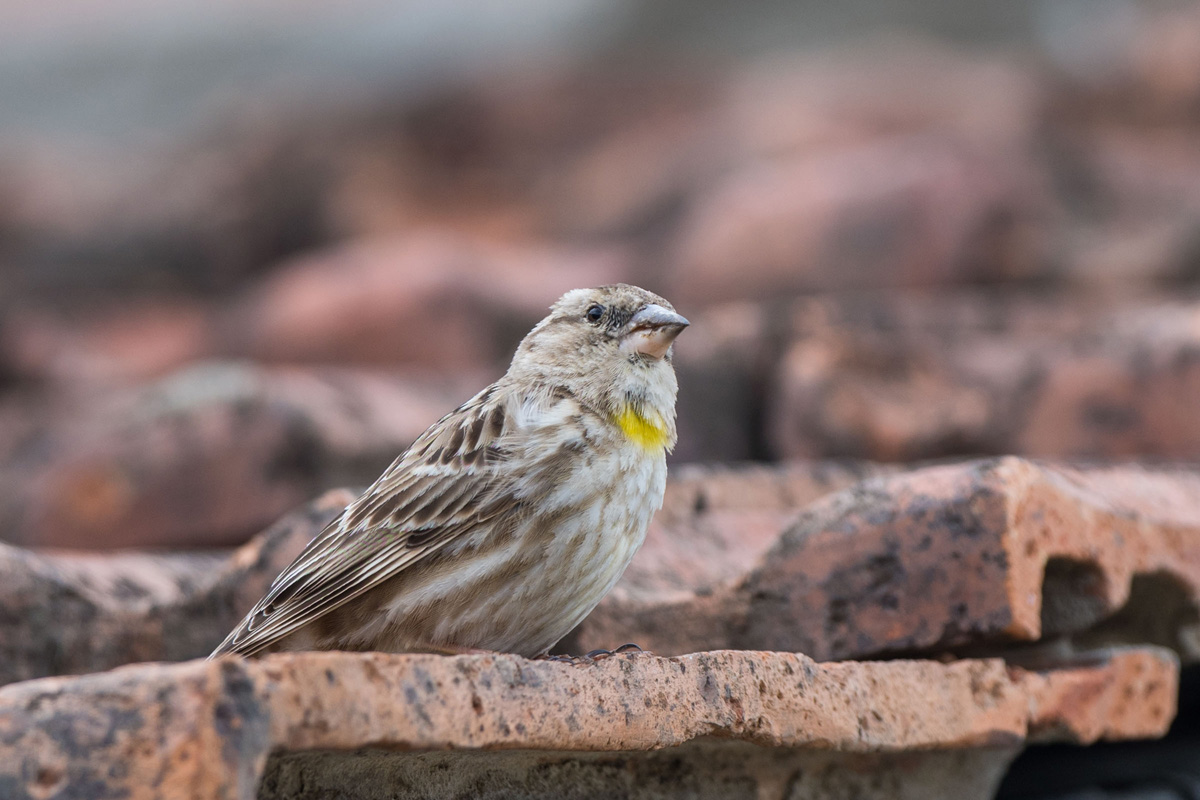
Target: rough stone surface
(108,343)
(72,613)
(724,373)
(887,87)
(832,560)
(975,554)
(717,522)
(438,301)
(889,251)
(1004,549)
(715,526)
(205,729)
(111,609)
(208,456)
(899,212)
(903,379)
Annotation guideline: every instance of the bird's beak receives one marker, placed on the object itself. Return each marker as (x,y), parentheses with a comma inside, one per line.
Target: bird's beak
(651,331)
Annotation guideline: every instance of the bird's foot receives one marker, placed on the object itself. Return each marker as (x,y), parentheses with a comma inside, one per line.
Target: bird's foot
(600,655)
(561,659)
(593,656)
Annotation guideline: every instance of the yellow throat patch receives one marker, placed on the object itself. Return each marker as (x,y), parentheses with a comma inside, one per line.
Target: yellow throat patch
(649,433)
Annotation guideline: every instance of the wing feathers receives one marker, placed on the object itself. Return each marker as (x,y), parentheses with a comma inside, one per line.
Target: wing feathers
(446,484)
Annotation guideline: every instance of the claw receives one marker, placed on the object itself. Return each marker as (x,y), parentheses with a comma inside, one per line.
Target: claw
(559,659)
(593,656)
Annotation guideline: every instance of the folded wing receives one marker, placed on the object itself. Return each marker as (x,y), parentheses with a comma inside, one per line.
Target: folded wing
(446,484)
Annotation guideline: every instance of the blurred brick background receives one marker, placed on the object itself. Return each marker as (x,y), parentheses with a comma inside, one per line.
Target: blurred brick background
(249,251)
(247,254)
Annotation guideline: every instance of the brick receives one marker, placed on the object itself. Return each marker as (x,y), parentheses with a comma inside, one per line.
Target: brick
(205,729)
(206,457)
(896,212)
(979,554)
(832,560)
(75,613)
(905,379)
(439,301)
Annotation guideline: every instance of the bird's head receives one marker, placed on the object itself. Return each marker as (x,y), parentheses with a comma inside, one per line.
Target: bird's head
(611,347)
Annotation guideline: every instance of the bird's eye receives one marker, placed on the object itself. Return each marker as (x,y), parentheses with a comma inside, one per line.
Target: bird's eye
(595,313)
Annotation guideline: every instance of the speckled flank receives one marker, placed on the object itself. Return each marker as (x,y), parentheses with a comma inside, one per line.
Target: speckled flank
(583,548)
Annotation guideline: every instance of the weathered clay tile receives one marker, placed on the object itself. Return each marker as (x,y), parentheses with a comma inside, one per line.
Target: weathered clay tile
(109,343)
(74,613)
(908,211)
(439,301)
(207,456)
(835,561)
(717,522)
(205,729)
(117,608)
(904,379)
(724,370)
(890,86)
(1086,702)
(987,553)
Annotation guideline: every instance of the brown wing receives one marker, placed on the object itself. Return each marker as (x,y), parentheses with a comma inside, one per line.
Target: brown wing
(446,484)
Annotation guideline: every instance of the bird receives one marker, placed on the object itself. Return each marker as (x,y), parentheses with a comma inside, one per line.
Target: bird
(510,518)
